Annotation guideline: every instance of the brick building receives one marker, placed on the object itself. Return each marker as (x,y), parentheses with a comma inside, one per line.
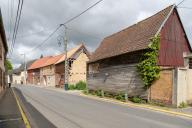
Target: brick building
(49,71)
(3,53)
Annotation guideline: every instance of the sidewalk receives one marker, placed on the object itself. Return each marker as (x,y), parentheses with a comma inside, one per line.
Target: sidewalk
(10,116)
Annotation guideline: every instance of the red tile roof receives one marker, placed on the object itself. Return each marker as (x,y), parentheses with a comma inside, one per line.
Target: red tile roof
(70,53)
(133,38)
(50,60)
(39,63)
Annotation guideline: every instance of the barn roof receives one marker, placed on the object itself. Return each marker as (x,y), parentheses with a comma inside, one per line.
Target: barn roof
(133,38)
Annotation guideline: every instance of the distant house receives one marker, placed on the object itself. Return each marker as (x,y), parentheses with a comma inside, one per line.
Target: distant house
(33,72)
(112,67)
(77,59)
(3,53)
(18,74)
(49,71)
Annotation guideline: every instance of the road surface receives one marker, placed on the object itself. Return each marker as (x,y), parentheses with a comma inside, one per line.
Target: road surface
(71,111)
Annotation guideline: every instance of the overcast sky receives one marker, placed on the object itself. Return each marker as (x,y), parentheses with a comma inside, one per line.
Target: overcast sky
(108,17)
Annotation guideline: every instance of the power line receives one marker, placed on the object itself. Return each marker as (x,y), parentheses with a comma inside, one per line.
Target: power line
(19,10)
(18,22)
(44,41)
(18,7)
(71,19)
(66,22)
(180,2)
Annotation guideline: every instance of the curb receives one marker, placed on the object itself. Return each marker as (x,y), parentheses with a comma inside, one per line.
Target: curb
(138,106)
(24,117)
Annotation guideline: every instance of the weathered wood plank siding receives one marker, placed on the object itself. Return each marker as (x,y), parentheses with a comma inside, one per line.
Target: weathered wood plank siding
(117,74)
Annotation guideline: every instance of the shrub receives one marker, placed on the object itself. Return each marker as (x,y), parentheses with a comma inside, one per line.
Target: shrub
(183,105)
(137,100)
(120,96)
(81,85)
(72,87)
(85,91)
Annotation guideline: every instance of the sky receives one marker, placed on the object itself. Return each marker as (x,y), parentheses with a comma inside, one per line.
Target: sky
(40,17)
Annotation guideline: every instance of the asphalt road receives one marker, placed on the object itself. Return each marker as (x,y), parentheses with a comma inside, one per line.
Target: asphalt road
(71,111)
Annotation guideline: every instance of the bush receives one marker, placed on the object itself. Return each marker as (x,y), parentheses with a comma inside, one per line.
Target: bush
(183,105)
(120,96)
(72,87)
(137,100)
(81,85)
(85,91)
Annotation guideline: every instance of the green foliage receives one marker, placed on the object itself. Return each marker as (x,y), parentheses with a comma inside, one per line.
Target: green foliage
(85,91)
(120,96)
(71,87)
(137,100)
(8,65)
(95,92)
(183,105)
(148,68)
(81,85)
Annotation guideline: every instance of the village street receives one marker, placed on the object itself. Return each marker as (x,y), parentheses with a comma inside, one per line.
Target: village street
(66,110)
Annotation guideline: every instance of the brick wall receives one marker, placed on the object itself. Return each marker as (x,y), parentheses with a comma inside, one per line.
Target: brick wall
(161,90)
(78,69)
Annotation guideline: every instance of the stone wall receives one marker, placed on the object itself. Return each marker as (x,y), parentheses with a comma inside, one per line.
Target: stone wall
(161,90)
(78,69)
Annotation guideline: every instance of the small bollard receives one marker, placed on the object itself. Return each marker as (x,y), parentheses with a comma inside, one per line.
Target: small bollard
(102,93)
(126,97)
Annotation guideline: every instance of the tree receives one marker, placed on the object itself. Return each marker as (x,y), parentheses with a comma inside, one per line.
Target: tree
(8,65)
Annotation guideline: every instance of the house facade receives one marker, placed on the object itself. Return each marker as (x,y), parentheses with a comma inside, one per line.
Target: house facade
(113,66)
(49,71)
(33,72)
(3,53)
(77,64)
(19,74)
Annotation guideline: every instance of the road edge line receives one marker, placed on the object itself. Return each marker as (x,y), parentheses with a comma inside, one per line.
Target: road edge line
(138,106)
(24,117)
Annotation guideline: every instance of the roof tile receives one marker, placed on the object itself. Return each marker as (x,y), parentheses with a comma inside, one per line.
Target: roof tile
(133,38)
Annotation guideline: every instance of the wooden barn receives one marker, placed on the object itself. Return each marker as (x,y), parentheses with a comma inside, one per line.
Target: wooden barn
(112,67)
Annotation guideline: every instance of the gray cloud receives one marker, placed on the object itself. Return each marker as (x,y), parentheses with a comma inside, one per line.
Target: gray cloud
(106,18)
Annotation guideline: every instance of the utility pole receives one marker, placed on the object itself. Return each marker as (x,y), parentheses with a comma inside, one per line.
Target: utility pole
(24,62)
(66,61)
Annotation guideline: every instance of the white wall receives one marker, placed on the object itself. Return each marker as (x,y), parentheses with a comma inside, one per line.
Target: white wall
(184,85)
